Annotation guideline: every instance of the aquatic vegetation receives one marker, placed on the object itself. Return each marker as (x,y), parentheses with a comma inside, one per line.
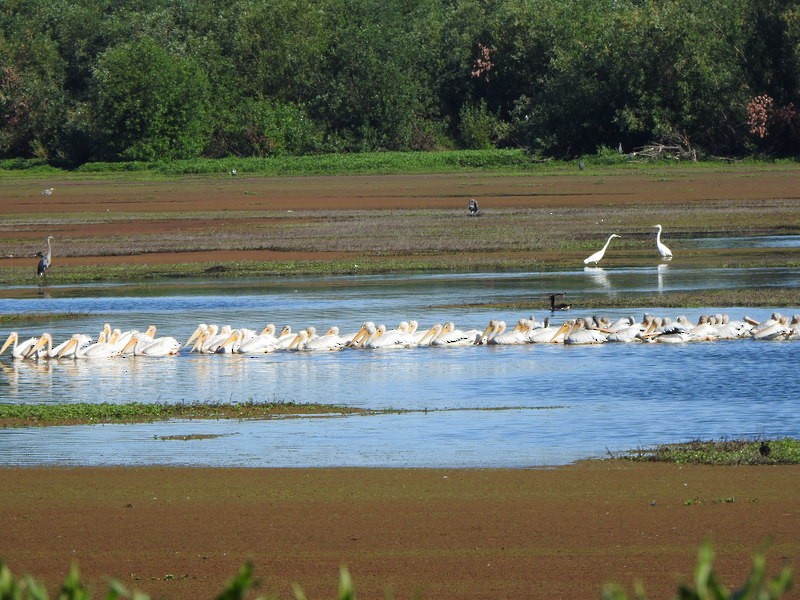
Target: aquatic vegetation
(25,415)
(722,452)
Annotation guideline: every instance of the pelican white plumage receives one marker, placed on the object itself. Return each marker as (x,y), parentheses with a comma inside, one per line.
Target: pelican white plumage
(779,330)
(585,332)
(401,337)
(100,349)
(328,341)
(665,252)
(285,338)
(299,341)
(44,347)
(450,336)
(200,330)
(431,334)
(547,335)
(598,256)
(18,349)
(498,335)
(266,341)
(163,346)
(209,341)
(794,325)
(632,333)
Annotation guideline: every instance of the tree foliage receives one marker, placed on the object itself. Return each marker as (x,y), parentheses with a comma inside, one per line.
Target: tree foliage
(88,80)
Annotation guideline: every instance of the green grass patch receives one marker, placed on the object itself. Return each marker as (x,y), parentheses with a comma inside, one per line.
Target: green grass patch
(46,317)
(784,451)
(33,415)
(377,163)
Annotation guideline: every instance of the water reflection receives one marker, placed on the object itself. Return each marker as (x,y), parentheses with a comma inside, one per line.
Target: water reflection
(475,406)
(662,269)
(597,276)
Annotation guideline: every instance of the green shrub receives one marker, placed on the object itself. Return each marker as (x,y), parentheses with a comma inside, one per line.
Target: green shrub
(707,587)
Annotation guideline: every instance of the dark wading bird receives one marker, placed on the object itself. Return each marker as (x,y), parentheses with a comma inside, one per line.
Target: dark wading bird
(554,306)
(45,260)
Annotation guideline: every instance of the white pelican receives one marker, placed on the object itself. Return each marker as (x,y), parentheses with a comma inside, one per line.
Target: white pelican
(597,256)
(401,337)
(632,333)
(450,336)
(299,340)
(427,338)
(99,349)
(39,350)
(555,337)
(731,330)
(498,335)
(163,346)
(779,330)
(547,334)
(18,350)
(330,340)
(227,343)
(757,327)
(212,338)
(201,329)
(621,323)
(263,343)
(665,252)
(584,332)
(121,338)
(794,325)
(285,338)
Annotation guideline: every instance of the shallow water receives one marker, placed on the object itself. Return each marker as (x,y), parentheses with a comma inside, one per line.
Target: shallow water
(469,407)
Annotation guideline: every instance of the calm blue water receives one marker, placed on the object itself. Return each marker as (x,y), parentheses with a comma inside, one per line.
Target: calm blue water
(470,407)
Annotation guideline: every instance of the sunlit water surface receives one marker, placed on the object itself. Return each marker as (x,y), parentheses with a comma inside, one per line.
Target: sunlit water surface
(514,407)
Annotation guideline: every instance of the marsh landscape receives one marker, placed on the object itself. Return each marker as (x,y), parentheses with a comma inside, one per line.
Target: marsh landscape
(338,250)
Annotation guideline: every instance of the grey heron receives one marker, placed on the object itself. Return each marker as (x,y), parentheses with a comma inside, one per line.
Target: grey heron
(45,260)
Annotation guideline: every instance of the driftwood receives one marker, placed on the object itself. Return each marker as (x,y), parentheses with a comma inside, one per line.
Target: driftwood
(670,149)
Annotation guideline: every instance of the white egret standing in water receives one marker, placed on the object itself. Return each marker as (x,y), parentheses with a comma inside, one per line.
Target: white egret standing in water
(665,252)
(597,256)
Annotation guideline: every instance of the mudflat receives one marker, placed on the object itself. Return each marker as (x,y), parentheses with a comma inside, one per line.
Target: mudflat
(530,219)
(541,533)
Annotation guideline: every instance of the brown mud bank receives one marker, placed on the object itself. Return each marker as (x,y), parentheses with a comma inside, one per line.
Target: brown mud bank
(525,219)
(545,533)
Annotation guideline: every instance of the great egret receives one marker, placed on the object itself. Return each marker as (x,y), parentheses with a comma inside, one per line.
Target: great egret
(597,256)
(665,252)
(45,260)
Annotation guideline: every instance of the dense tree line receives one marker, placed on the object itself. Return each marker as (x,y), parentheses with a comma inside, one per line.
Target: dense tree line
(85,80)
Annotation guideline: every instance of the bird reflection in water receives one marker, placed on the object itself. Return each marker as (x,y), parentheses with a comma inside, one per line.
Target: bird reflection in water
(598,276)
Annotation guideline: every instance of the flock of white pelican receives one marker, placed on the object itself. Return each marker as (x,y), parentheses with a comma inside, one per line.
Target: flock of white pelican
(212,339)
